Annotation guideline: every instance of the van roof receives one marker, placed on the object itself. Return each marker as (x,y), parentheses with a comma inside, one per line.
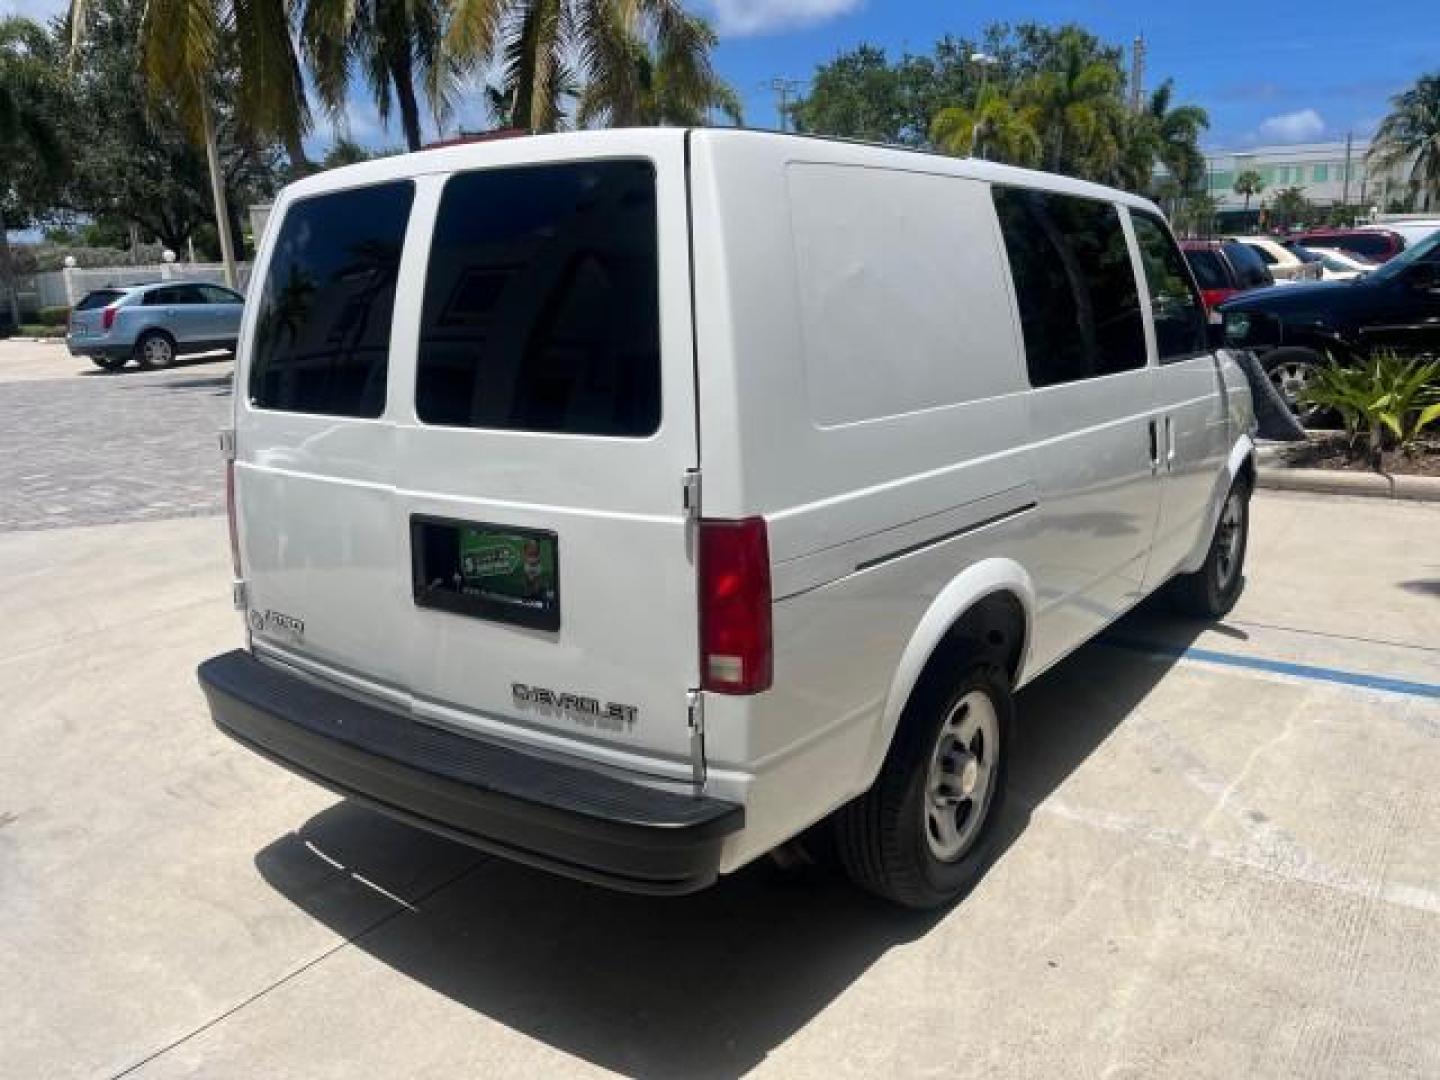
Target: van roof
(581,144)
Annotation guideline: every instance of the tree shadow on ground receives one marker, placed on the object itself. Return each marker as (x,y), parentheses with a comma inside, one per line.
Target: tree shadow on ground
(706,985)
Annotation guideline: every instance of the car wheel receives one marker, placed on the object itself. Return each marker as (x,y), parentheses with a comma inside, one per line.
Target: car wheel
(925,831)
(1292,371)
(155,350)
(110,361)
(1211,591)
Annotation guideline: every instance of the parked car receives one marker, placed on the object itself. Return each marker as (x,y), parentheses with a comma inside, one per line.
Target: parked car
(1413,230)
(1284,264)
(1395,306)
(1225,267)
(650,517)
(153,324)
(1336,264)
(1377,245)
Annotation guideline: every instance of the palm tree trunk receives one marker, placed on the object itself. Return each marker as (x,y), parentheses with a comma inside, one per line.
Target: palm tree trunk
(217,191)
(7,271)
(403,76)
(295,151)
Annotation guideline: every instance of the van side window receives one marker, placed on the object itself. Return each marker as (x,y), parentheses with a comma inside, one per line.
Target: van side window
(1180,327)
(322,333)
(1074,284)
(542,302)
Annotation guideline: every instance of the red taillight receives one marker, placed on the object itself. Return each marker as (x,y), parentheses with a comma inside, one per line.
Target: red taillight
(1212,297)
(230,513)
(107,317)
(736,654)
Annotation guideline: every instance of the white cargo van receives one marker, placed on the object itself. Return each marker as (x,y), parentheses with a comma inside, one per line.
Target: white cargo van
(628,502)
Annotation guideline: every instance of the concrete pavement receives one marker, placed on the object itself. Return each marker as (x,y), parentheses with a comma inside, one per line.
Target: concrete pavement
(1223,859)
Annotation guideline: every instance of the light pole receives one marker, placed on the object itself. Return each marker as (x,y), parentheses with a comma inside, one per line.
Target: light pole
(985,61)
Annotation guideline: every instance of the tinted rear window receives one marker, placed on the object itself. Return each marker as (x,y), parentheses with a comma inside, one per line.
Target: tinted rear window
(1376,247)
(542,302)
(322,332)
(1209,270)
(1249,267)
(98,299)
(1074,283)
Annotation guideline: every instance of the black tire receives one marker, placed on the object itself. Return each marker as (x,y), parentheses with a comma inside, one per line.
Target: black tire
(1290,369)
(1211,591)
(155,350)
(110,361)
(885,839)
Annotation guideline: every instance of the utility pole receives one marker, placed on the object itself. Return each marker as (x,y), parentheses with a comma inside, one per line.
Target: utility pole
(1137,72)
(1345,181)
(783,88)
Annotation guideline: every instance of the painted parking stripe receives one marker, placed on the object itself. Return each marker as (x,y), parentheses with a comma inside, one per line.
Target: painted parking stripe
(1281,667)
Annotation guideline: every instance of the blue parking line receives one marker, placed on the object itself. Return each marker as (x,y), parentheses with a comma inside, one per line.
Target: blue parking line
(1281,667)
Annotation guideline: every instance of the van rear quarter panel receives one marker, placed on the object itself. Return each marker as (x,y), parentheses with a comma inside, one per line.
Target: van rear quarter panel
(861,386)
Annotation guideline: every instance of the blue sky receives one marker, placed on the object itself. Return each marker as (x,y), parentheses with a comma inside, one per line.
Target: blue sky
(1267,71)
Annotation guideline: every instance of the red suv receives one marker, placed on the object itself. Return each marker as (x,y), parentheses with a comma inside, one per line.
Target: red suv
(1377,245)
(1223,268)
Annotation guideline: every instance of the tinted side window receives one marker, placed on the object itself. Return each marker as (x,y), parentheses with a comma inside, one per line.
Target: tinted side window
(159,297)
(98,299)
(1074,283)
(1179,316)
(1376,247)
(322,334)
(542,301)
(1265,256)
(215,295)
(1209,270)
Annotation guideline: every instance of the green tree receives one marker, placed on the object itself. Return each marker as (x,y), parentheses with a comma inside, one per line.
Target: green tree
(33,158)
(994,129)
(184,47)
(1290,206)
(132,160)
(646,87)
(549,49)
(394,44)
(1177,131)
(1076,103)
(1411,134)
(1249,183)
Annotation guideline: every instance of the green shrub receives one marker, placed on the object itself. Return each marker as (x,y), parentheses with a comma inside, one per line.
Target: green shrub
(1387,401)
(54,316)
(39,330)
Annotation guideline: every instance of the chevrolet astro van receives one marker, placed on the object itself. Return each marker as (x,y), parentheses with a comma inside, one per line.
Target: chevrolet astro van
(627,503)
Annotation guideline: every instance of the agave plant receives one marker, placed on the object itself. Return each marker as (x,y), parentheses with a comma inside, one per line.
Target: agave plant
(1389,394)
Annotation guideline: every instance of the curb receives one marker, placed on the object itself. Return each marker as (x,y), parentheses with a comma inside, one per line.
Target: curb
(1335,482)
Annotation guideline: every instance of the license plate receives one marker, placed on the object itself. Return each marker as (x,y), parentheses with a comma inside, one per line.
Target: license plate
(497,572)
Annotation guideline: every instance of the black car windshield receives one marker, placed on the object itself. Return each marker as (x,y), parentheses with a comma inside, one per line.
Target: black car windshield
(1427,250)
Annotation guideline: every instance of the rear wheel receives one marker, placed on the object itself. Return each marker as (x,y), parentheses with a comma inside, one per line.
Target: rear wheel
(155,349)
(1211,591)
(1292,371)
(925,832)
(110,361)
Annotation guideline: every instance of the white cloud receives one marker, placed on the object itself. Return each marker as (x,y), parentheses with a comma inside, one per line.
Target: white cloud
(1301,126)
(742,17)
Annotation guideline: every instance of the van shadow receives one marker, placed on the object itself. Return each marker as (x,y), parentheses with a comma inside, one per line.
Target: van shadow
(706,985)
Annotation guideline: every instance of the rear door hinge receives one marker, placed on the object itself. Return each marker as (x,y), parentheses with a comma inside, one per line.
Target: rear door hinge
(240,594)
(695,711)
(227,444)
(690,494)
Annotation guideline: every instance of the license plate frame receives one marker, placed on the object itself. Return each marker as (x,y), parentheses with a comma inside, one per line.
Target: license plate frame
(486,570)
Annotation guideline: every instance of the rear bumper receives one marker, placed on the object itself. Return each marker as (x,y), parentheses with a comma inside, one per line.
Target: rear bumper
(96,347)
(554,815)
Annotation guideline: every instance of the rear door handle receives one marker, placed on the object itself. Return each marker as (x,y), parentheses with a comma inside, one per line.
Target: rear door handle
(1169,442)
(1154,445)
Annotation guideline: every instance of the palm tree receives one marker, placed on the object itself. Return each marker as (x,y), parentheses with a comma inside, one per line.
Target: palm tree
(1411,133)
(1248,183)
(181,46)
(1074,105)
(1177,134)
(538,40)
(27,135)
(645,87)
(1290,205)
(994,129)
(394,43)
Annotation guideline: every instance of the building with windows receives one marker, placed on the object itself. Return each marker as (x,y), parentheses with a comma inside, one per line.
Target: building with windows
(1329,174)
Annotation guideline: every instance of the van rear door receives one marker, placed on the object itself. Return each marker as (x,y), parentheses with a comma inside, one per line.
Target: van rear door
(506,543)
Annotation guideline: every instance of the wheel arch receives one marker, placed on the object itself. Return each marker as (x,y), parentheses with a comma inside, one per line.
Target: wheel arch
(1241,462)
(992,601)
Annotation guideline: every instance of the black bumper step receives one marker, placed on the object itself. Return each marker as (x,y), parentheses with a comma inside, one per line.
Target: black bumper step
(557,816)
